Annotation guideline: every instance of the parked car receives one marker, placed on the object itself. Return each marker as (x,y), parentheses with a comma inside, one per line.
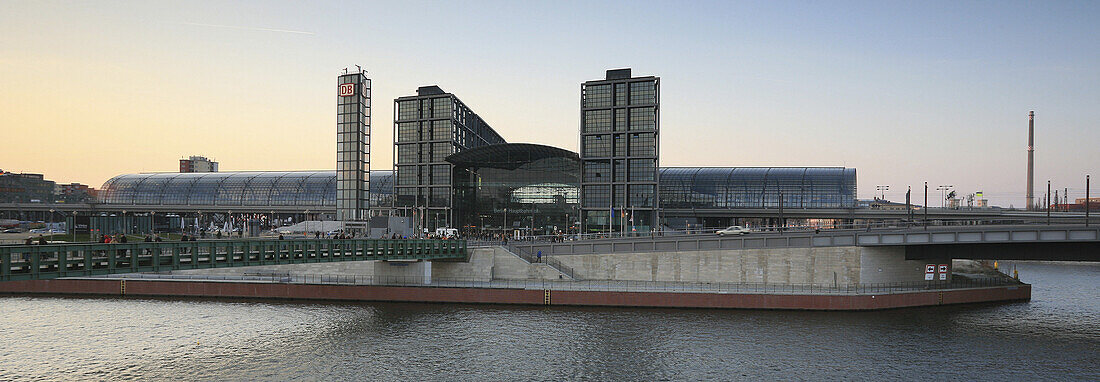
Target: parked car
(733,230)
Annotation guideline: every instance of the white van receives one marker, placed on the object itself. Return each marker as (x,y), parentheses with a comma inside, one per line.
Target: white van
(446,232)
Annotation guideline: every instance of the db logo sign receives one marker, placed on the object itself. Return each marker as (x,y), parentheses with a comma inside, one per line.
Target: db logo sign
(347,90)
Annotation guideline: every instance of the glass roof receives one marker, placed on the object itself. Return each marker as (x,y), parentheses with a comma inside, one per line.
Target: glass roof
(260,188)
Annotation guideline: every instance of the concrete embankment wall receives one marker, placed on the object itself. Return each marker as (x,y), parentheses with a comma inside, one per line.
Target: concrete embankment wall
(815,265)
(514,296)
(819,265)
(484,264)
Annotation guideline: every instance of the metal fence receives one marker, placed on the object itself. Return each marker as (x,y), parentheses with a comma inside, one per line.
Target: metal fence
(829,238)
(590,285)
(30,262)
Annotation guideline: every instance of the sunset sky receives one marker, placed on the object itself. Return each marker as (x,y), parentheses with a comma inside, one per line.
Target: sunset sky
(903,92)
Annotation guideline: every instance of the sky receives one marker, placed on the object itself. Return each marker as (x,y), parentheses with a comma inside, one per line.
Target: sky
(905,92)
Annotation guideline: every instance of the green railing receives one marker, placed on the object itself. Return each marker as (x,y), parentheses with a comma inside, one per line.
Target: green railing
(33,262)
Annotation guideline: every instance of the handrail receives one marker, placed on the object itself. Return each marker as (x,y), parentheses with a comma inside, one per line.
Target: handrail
(32,262)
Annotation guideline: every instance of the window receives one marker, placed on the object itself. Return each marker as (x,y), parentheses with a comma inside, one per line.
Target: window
(439,197)
(406,132)
(620,94)
(406,175)
(406,154)
(597,121)
(642,170)
(643,144)
(441,150)
(441,174)
(597,146)
(597,96)
(620,120)
(597,171)
(642,93)
(618,197)
(620,145)
(641,196)
(597,196)
(441,107)
(407,110)
(619,170)
(643,118)
(442,130)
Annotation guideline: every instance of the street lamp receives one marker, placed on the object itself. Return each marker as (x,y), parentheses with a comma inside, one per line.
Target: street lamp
(943,193)
(882,188)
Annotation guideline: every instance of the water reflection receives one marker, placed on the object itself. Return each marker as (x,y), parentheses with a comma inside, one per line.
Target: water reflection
(1054,336)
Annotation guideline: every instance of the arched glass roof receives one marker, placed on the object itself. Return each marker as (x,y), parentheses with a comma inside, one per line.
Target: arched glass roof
(757,187)
(509,156)
(260,188)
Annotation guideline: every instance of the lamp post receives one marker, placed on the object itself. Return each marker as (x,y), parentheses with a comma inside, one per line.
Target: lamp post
(73,228)
(1087,201)
(908,206)
(925,205)
(943,194)
(882,188)
(1048,202)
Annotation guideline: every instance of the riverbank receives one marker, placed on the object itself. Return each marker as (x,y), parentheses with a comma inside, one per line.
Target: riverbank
(545,294)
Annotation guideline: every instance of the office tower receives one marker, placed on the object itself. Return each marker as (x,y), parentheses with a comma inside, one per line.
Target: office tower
(620,137)
(429,127)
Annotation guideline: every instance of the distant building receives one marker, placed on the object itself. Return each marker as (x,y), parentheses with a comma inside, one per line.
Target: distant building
(25,188)
(198,164)
(74,192)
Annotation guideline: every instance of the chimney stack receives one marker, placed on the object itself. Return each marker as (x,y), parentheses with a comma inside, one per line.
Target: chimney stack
(1031,160)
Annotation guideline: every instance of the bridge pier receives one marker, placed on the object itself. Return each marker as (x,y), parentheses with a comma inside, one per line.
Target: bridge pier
(403,271)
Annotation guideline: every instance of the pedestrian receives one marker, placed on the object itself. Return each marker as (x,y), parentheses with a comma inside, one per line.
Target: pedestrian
(41,240)
(538,258)
(29,241)
(219,234)
(122,239)
(280,236)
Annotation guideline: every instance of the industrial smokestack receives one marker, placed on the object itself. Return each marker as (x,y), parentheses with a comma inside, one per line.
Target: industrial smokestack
(1031,160)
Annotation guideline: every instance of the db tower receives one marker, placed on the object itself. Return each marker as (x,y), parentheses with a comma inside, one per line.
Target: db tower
(353,147)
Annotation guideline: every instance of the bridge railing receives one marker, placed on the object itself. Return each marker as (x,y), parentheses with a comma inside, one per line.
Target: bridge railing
(28,262)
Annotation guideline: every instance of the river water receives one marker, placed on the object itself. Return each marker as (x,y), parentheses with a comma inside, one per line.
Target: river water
(1055,336)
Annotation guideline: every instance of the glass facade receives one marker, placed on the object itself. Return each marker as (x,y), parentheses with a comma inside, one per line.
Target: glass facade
(757,187)
(619,152)
(429,127)
(352,147)
(519,178)
(256,189)
(516,187)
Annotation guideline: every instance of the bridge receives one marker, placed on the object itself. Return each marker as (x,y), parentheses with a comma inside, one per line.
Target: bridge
(36,262)
(42,211)
(995,242)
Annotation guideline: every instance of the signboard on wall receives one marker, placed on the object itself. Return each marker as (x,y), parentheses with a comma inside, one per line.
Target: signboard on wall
(929,272)
(347,90)
(943,272)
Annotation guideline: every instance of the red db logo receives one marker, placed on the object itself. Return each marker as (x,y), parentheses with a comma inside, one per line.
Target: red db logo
(347,90)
